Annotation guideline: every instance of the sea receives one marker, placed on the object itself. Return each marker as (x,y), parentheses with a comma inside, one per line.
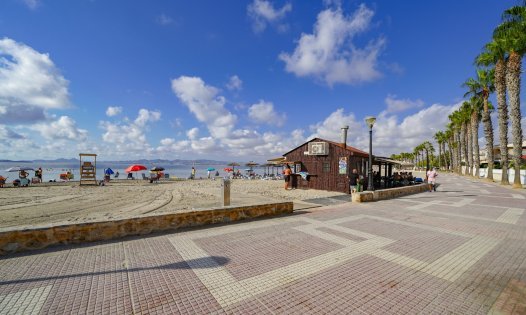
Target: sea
(51,170)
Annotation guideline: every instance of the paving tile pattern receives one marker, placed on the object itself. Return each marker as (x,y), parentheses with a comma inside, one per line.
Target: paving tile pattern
(460,250)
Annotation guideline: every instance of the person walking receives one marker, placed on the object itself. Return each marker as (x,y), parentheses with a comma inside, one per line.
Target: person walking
(193,173)
(286,175)
(431,179)
(353,180)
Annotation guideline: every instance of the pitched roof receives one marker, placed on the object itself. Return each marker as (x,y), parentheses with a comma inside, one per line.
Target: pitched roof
(354,150)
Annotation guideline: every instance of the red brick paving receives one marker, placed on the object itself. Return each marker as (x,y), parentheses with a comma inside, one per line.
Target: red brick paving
(150,276)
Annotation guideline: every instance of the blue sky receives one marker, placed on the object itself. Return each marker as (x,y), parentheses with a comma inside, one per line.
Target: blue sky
(241,80)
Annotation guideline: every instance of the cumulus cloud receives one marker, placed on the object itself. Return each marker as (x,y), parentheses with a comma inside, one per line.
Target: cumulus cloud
(330,127)
(263,112)
(113,111)
(399,105)
(234,83)
(263,13)
(8,134)
(63,128)
(145,116)
(390,134)
(21,114)
(329,55)
(28,77)
(206,104)
(193,133)
(128,136)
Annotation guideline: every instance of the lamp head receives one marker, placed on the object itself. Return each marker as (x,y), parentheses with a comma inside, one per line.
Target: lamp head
(370,120)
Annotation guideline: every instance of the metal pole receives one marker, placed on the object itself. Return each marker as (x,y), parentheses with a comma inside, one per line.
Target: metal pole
(370,185)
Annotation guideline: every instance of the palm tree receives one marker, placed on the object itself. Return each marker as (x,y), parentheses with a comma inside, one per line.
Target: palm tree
(483,86)
(449,134)
(456,120)
(476,107)
(465,111)
(494,54)
(512,33)
(439,137)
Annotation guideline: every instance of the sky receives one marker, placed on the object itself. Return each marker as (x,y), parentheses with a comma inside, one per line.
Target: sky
(231,80)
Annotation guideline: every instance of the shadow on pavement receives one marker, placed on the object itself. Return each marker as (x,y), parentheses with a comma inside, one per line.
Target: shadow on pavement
(199,263)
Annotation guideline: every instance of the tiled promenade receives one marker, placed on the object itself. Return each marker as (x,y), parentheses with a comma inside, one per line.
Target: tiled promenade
(460,250)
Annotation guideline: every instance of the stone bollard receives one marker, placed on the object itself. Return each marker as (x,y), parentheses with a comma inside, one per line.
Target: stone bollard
(225,192)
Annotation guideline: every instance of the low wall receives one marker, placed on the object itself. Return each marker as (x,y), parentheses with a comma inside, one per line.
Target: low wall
(22,239)
(390,193)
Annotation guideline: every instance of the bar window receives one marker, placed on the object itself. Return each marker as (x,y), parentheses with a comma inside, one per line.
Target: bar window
(326,167)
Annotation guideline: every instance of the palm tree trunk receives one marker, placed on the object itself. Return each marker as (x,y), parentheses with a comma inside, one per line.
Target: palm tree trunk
(470,149)
(464,147)
(440,155)
(475,136)
(459,154)
(500,87)
(446,162)
(488,133)
(513,83)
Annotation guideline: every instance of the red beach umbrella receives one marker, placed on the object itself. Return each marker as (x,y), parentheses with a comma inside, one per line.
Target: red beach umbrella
(135,168)
(228,169)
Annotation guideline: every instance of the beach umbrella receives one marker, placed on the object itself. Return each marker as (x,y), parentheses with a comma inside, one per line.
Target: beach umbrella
(108,171)
(233,164)
(157,169)
(135,168)
(19,168)
(228,169)
(210,169)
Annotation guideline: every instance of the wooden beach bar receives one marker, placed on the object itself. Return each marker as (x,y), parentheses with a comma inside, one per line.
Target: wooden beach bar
(326,165)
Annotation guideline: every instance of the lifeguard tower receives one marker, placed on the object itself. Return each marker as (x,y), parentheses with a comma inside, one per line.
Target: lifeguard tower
(87,168)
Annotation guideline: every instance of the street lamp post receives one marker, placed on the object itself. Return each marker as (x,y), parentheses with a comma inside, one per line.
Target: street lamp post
(370,120)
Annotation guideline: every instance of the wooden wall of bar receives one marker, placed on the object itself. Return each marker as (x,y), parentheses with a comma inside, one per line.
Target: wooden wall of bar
(324,169)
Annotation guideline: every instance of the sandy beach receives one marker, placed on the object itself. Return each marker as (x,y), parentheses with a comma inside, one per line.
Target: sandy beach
(70,203)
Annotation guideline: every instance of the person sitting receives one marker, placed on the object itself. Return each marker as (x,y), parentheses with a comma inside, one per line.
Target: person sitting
(22,174)
(130,176)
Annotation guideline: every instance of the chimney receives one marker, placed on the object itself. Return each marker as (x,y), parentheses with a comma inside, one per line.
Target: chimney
(344,136)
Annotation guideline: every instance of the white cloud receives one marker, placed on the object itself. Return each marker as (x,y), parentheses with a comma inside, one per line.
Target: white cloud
(193,133)
(129,136)
(329,54)
(62,128)
(330,128)
(28,77)
(8,134)
(234,83)
(205,103)
(164,19)
(399,105)
(145,116)
(262,13)
(263,112)
(113,111)
(389,134)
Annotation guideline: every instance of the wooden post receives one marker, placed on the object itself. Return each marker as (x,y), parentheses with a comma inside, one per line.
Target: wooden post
(225,192)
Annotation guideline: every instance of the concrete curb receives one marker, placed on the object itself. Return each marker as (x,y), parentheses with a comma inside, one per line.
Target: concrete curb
(368,196)
(18,239)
